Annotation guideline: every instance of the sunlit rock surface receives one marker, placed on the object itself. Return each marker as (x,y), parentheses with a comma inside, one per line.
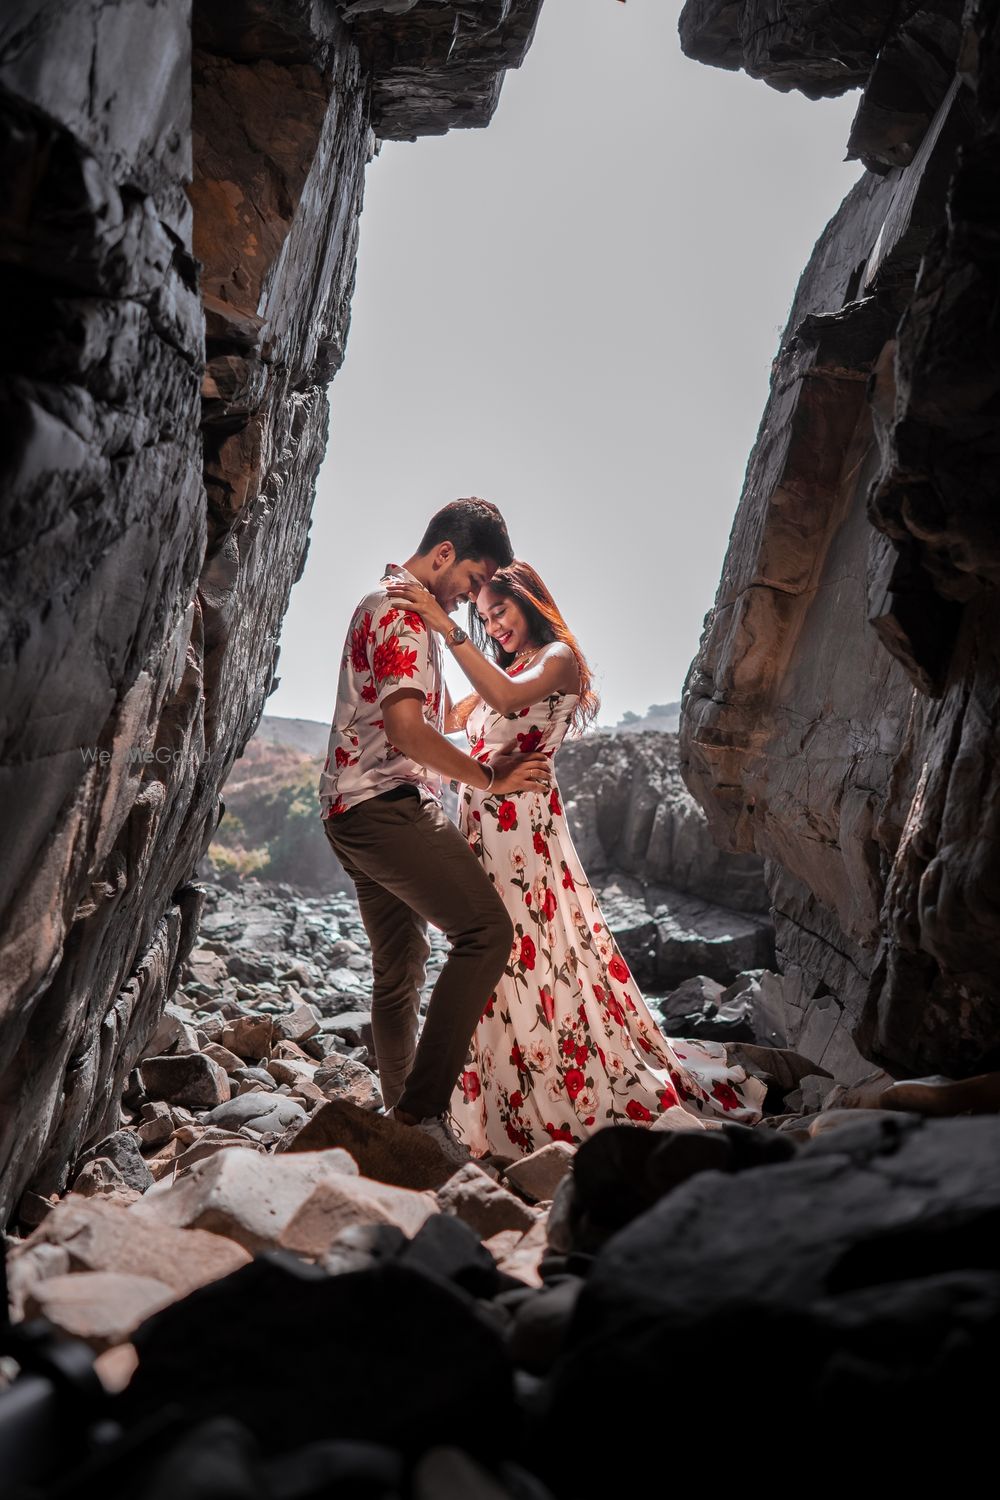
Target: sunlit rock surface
(842,714)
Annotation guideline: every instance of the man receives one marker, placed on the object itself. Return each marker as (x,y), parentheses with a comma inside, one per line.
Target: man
(380,807)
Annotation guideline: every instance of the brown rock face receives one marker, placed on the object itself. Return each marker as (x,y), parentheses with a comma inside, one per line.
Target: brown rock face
(181,187)
(841,715)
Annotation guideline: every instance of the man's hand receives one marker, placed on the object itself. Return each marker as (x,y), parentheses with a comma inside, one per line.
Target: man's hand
(522,773)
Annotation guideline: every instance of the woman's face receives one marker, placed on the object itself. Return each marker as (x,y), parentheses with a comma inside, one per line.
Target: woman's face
(504,620)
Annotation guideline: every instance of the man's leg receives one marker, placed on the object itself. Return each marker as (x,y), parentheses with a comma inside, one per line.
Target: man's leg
(414,852)
(400,949)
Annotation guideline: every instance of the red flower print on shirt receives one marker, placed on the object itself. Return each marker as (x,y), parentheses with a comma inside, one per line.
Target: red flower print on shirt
(668,1099)
(359,644)
(516,1099)
(547,1003)
(554,805)
(517,1058)
(726,1095)
(527,953)
(582,1055)
(391,659)
(389,618)
(618,969)
(368,692)
(470,1085)
(342,757)
(637,1111)
(530,741)
(336,808)
(541,847)
(507,816)
(413,620)
(549,908)
(567,1046)
(574,1082)
(560,1133)
(568,883)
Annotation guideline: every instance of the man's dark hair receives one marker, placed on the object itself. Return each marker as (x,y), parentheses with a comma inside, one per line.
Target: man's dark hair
(474,527)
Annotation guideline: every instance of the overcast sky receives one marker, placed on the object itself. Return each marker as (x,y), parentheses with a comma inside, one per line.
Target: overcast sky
(572,313)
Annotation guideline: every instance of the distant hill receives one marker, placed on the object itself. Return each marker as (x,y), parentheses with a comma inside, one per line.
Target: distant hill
(271,825)
(662,717)
(306,735)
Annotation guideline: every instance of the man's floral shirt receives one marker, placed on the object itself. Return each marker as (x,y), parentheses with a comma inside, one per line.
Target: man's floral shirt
(386,649)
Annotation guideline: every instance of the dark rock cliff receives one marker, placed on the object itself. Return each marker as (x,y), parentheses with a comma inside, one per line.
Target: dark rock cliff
(182,185)
(841,716)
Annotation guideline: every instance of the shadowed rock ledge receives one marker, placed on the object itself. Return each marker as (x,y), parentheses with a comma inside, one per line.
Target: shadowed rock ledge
(181,192)
(840,718)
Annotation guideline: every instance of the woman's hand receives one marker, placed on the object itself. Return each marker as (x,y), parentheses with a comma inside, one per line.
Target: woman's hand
(413,596)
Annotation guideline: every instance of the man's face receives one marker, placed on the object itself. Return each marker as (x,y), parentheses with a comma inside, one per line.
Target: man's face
(458,582)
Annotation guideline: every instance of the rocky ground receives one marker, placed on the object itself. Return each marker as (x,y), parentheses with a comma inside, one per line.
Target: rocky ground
(254,1193)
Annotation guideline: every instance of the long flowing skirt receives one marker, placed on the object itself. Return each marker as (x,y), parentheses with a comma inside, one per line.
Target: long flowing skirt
(567,1044)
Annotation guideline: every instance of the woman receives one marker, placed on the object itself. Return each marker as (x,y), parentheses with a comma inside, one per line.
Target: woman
(566,1044)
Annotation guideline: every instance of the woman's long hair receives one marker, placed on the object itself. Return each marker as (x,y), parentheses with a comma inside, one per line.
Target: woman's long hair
(520,582)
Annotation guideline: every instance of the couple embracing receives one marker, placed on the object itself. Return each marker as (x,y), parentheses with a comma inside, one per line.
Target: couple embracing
(535,1030)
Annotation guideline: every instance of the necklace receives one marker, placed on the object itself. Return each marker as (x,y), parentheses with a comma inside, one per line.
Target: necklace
(528,651)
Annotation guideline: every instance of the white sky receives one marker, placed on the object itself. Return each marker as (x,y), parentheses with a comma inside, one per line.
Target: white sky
(572,313)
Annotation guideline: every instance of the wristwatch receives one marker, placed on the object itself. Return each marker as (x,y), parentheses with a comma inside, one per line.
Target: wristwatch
(455,636)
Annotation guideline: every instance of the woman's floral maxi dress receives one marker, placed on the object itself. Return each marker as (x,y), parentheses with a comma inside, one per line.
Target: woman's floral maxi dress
(566,1044)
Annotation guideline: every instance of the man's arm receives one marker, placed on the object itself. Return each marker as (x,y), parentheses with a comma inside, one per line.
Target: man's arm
(409,731)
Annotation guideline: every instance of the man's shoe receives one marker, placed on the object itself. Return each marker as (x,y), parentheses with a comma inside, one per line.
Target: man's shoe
(441,1133)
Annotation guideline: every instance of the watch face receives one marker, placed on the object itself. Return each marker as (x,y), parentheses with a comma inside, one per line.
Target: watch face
(458,635)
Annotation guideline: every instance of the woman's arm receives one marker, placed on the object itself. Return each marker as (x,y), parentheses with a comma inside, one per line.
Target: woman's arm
(553,670)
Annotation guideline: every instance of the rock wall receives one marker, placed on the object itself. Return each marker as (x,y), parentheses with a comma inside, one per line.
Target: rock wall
(182,185)
(630,812)
(841,716)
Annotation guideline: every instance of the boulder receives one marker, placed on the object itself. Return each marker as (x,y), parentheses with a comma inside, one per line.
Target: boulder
(524,1261)
(124,1150)
(248,1197)
(250,1037)
(537,1176)
(97,1236)
(300,1023)
(192,1079)
(102,1308)
(341,1077)
(174,1033)
(383,1149)
(102,1179)
(343,1200)
(866,1252)
(345,1383)
(483,1204)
